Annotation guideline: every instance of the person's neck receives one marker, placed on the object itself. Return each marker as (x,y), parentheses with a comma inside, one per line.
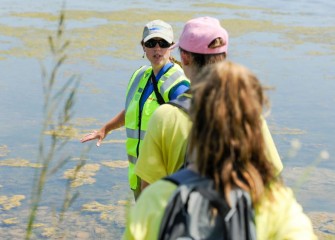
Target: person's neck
(157,68)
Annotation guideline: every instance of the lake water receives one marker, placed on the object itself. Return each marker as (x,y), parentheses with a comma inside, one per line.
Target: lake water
(290,45)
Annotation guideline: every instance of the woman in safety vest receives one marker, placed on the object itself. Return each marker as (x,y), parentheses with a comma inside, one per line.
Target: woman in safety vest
(148,87)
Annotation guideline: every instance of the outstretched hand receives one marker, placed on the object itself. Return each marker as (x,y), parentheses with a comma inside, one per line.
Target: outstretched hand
(94,135)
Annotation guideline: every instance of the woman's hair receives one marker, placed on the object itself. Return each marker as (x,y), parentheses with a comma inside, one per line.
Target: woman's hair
(226,140)
(201,60)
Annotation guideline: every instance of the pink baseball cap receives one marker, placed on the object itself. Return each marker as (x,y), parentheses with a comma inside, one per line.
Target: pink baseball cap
(198,33)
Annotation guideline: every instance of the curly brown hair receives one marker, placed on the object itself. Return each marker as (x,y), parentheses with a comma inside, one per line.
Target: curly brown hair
(226,138)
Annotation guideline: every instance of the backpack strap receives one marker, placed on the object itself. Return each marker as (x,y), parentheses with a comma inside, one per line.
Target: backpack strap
(182,102)
(154,80)
(183,176)
(160,99)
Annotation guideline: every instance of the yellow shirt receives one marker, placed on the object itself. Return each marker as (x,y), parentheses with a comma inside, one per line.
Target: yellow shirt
(280,219)
(165,142)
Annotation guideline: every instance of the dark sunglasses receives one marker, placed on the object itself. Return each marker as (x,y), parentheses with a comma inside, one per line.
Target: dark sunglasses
(152,43)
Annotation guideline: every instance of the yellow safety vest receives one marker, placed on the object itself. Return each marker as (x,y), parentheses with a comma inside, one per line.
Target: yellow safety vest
(136,122)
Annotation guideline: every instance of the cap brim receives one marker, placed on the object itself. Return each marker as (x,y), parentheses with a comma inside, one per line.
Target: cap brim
(160,35)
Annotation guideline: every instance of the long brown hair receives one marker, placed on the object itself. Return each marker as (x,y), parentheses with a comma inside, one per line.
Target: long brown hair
(226,140)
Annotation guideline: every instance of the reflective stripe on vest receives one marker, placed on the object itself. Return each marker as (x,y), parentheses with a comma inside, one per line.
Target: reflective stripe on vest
(134,85)
(133,133)
(168,81)
(132,159)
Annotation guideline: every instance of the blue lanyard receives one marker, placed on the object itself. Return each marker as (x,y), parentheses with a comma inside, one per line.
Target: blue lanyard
(149,87)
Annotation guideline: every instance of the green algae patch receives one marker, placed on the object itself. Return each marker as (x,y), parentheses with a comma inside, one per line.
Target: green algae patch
(33,42)
(48,232)
(324,224)
(311,184)
(82,176)
(227,6)
(83,122)
(4,150)
(286,131)
(120,37)
(96,207)
(111,213)
(64,132)
(116,164)
(10,221)
(18,162)
(114,141)
(240,27)
(7,203)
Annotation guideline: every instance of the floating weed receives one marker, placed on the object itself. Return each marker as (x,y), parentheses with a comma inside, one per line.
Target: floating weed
(116,163)
(18,162)
(38,225)
(287,131)
(96,207)
(10,221)
(326,224)
(83,176)
(8,203)
(227,6)
(112,213)
(94,41)
(4,150)
(79,159)
(123,202)
(64,132)
(86,121)
(308,171)
(48,232)
(114,141)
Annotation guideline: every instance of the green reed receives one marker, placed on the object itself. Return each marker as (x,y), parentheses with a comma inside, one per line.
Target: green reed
(58,111)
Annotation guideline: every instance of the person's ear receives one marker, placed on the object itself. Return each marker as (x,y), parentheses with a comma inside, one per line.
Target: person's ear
(185,58)
(143,47)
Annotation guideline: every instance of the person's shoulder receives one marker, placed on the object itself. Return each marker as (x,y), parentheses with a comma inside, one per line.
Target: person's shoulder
(161,189)
(168,111)
(177,67)
(142,69)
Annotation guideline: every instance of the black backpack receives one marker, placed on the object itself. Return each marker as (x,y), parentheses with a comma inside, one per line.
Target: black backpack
(198,211)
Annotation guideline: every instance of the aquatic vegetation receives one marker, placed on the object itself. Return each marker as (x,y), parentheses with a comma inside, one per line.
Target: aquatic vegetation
(64,132)
(83,122)
(7,203)
(227,6)
(312,183)
(112,213)
(58,104)
(10,221)
(324,224)
(114,141)
(116,163)
(83,176)
(17,162)
(4,150)
(91,42)
(96,207)
(48,232)
(286,131)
